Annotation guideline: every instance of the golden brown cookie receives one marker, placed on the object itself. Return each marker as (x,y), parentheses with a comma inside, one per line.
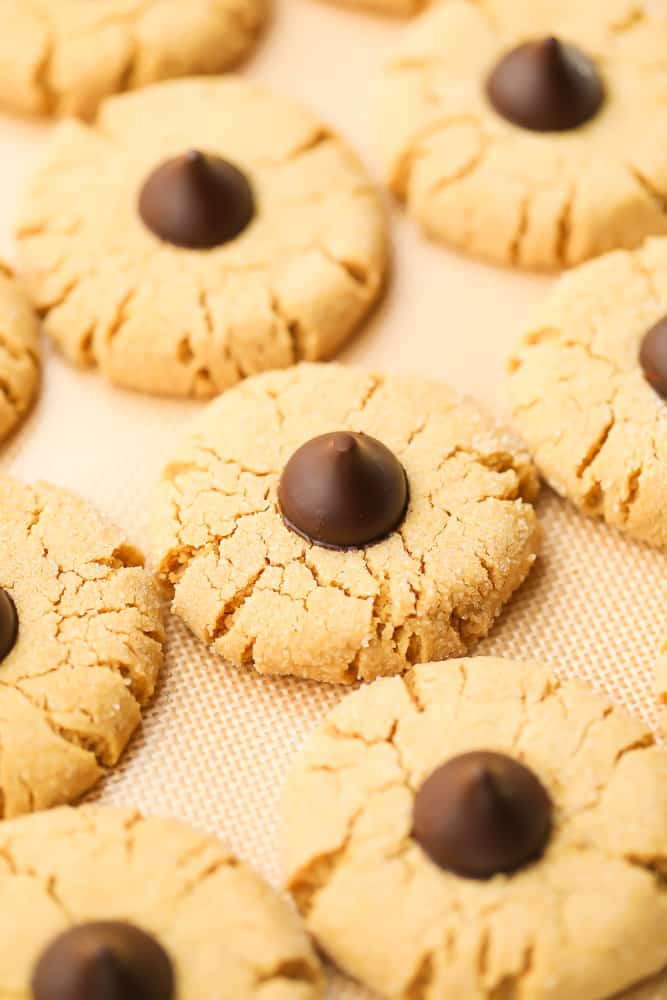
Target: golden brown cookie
(583,914)
(429,582)
(105,878)
(540,159)
(80,645)
(583,399)
(198,232)
(62,57)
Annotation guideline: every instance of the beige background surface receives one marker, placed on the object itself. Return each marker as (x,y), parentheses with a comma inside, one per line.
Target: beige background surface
(216,744)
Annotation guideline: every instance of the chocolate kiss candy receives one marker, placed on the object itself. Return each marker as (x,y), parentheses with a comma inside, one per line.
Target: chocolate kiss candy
(196,201)
(103,961)
(653,357)
(481,814)
(546,86)
(9,624)
(343,490)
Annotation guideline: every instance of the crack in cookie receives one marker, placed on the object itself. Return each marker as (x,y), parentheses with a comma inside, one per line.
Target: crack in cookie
(88,648)
(261,595)
(62,57)
(384,912)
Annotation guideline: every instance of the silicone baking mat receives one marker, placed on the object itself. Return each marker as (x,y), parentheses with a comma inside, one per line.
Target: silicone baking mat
(216,744)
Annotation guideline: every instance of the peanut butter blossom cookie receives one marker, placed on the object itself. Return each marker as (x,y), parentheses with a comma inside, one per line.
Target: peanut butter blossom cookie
(62,57)
(104,904)
(588,389)
(80,646)
(481,829)
(19,353)
(197,232)
(337,525)
(516,131)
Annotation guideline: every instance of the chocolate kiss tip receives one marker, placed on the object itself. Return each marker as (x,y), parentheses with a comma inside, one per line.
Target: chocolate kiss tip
(343,490)
(104,960)
(197,201)
(345,443)
(195,159)
(546,86)
(482,814)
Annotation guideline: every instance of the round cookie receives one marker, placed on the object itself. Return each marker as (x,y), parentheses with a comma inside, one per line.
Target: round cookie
(585,919)
(62,57)
(582,400)
(221,929)
(435,576)
(172,319)
(514,195)
(80,645)
(19,353)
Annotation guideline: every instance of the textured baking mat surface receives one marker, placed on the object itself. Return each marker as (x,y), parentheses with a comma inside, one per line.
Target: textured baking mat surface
(216,744)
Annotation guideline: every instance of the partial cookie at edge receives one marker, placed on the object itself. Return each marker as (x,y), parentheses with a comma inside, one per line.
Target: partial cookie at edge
(227,933)
(62,57)
(19,353)
(579,397)
(89,646)
(385,913)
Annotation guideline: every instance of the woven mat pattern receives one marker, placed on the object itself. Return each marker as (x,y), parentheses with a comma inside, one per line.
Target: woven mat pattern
(217,744)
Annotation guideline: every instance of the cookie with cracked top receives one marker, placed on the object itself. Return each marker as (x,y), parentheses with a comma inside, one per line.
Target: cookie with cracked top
(515,130)
(337,525)
(62,57)
(587,385)
(109,903)
(480,828)
(197,232)
(80,645)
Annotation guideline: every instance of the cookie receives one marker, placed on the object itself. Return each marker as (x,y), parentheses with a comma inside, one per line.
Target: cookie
(517,131)
(62,57)
(19,353)
(80,645)
(97,897)
(479,828)
(198,232)
(584,400)
(336,525)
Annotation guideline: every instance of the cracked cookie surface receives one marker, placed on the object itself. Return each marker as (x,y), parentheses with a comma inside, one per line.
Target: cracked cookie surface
(520,198)
(596,427)
(228,935)
(159,318)
(89,646)
(19,353)
(384,6)
(261,595)
(589,918)
(62,57)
